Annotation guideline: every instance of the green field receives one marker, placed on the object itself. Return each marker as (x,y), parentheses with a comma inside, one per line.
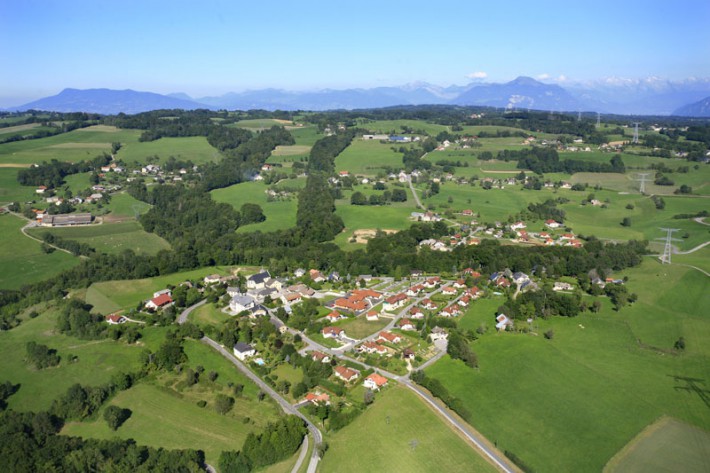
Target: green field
(166,415)
(11,190)
(110,296)
(22,260)
(400,433)
(667,445)
(280,214)
(359,327)
(579,398)
(111,238)
(395,126)
(77,145)
(98,361)
(123,206)
(208,314)
(193,148)
(368,158)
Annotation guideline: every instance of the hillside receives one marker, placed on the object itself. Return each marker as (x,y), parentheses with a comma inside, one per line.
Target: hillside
(697,109)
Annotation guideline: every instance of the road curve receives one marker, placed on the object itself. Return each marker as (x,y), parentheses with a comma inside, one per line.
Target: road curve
(285,405)
(182,318)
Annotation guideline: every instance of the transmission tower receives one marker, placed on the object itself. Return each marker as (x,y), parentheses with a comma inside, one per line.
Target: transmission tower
(599,119)
(668,249)
(579,115)
(635,139)
(643,177)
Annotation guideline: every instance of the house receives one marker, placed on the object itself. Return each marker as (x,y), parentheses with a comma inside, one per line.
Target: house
(372,347)
(258,280)
(372,316)
(334,316)
(520,278)
(475,292)
(316,276)
(415,290)
(438,333)
(299,272)
(233,291)
(503,322)
(240,303)
(450,311)
(552,224)
(464,301)
(320,356)
(395,302)
(41,189)
(212,279)
(266,167)
(159,302)
(428,304)
(333,332)
(115,319)
(416,313)
(161,292)
(389,337)
(243,351)
(345,373)
(562,286)
(406,325)
(467,213)
(408,354)
(375,382)
(432,282)
(448,291)
(350,304)
(291,298)
(318,398)
(65,220)
(518,226)
(459,284)
(567,236)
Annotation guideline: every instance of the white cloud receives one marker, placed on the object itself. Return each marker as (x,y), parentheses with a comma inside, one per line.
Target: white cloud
(544,76)
(480,75)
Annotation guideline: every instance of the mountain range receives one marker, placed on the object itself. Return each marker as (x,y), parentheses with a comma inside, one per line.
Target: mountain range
(619,96)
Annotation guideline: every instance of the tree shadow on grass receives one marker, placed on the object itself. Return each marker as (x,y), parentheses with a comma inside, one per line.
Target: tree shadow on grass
(693,385)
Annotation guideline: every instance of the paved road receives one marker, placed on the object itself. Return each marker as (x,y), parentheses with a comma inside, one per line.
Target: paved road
(414,193)
(285,405)
(182,318)
(301,456)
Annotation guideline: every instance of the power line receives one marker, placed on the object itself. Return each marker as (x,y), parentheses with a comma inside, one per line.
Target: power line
(599,120)
(643,177)
(635,139)
(668,249)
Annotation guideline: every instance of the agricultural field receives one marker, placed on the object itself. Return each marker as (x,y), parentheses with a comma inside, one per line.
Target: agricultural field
(76,145)
(11,190)
(23,261)
(110,296)
(395,126)
(368,158)
(124,207)
(97,362)
(261,123)
(289,154)
(192,148)
(280,214)
(366,219)
(111,238)
(615,366)
(165,413)
(398,432)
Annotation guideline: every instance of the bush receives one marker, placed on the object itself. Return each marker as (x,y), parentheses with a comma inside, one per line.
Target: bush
(116,416)
(550,334)
(223,404)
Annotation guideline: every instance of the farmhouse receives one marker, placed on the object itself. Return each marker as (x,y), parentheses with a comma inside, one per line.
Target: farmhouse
(345,373)
(163,300)
(243,351)
(115,319)
(375,382)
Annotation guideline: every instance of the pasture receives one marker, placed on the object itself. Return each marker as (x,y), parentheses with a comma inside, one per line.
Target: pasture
(22,260)
(192,148)
(111,238)
(394,127)
(11,190)
(368,158)
(398,432)
(110,296)
(601,380)
(76,145)
(123,206)
(97,362)
(165,413)
(280,214)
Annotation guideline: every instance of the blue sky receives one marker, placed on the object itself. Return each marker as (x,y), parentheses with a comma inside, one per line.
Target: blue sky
(212,47)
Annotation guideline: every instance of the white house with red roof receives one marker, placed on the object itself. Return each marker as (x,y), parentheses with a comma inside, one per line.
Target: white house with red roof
(416,313)
(372,316)
(333,332)
(163,300)
(406,325)
(115,319)
(552,224)
(389,337)
(318,398)
(320,356)
(428,304)
(375,382)
(395,302)
(345,373)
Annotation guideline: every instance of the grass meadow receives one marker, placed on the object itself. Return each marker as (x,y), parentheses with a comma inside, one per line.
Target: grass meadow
(22,260)
(111,238)
(110,296)
(193,148)
(574,401)
(280,214)
(368,158)
(395,126)
(76,145)
(11,190)
(165,411)
(398,432)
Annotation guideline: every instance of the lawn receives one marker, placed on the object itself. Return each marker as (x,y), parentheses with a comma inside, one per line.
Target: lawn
(193,148)
(400,433)
(22,260)
(98,360)
(601,379)
(111,238)
(123,206)
(110,296)
(280,214)
(368,158)
(359,327)
(208,314)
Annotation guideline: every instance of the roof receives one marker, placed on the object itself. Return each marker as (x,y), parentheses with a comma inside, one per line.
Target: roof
(350,304)
(389,336)
(68,219)
(115,318)
(242,300)
(162,300)
(345,372)
(379,380)
(259,278)
(242,347)
(396,298)
(333,330)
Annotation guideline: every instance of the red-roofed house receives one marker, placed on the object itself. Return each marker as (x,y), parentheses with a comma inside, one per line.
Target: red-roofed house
(334,316)
(316,276)
(450,311)
(159,302)
(320,356)
(475,292)
(415,290)
(552,224)
(372,347)
(416,313)
(333,332)
(428,304)
(389,337)
(345,373)
(115,319)
(406,325)
(395,302)
(464,301)
(350,305)
(318,398)
(448,290)
(372,316)
(375,382)
(459,284)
